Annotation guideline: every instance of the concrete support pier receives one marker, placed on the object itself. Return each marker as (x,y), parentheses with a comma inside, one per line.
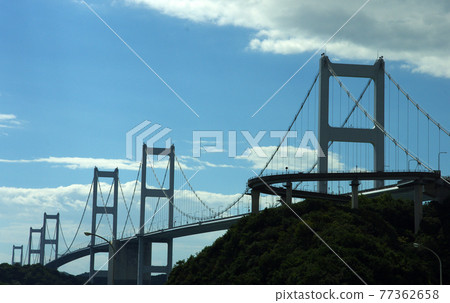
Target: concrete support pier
(124,265)
(111,264)
(418,211)
(255,201)
(288,193)
(355,185)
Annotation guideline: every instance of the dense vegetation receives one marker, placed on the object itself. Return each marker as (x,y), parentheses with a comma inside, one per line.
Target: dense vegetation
(275,247)
(35,275)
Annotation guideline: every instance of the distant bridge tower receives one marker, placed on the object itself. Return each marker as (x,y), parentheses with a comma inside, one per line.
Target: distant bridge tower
(17,247)
(102,210)
(32,251)
(328,133)
(49,241)
(144,249)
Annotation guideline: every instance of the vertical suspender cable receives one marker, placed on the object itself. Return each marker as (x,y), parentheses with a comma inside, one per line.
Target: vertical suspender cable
(407,134)
(418,146)
(389,121)
(62,234)
(428,144)
(132,198)
(82,217)
(398,128)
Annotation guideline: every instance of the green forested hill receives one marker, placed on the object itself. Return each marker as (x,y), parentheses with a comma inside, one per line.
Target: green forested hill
(35,275)
(275,247)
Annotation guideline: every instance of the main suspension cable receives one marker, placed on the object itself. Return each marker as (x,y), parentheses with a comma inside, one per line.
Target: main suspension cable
(82,217)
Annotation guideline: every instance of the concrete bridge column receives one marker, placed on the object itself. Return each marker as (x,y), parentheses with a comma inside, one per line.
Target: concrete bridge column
(126,260)
(355,185)
(111,264)
(160,269)
(288,193)
(255,201)
(418,211)
(169,255)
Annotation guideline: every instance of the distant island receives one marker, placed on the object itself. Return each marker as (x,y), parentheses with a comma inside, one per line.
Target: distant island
(376,240)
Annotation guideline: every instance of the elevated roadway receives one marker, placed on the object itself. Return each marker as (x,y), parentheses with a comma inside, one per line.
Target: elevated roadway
(176,232)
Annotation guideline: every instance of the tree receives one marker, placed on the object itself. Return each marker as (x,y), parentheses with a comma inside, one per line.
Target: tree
(274,247)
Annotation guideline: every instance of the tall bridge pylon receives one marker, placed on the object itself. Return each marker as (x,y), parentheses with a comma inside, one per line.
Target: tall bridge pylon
(329,133)
(17,247)
(144,260)
(43,239)
(49,241)
(32,251)
(102,210)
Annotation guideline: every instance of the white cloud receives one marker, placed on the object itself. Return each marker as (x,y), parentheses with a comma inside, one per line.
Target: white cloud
(297,159)
(202,164)
(186,163)
(359,169)
(9,121)
(7,117)
(81,163)
(214,200)
(412,31)
(34,200)
(23,208)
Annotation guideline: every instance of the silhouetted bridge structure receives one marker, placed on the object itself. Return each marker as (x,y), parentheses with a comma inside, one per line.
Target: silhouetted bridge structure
(357,140)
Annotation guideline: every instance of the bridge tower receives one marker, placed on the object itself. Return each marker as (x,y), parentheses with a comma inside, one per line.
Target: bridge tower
(30,241)
(328,133)
(102,210)
(144,251)
(17,247)
(45,240)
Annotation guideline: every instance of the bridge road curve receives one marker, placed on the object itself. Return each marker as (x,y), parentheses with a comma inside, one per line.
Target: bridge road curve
(176,232)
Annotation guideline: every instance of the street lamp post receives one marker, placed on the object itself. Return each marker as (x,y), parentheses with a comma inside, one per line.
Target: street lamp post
(439,159)
(113,249)
(418,245)
(86,233)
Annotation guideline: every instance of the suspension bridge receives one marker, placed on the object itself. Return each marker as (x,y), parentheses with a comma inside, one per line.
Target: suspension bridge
(378,141)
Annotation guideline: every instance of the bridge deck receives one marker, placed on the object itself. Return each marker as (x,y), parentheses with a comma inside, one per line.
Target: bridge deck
(176,232)
(264,181)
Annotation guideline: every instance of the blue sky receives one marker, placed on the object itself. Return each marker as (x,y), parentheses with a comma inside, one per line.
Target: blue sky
(70,89)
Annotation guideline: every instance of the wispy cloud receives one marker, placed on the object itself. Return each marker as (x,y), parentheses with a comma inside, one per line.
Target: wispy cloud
(186,163)
(81,163)
(409,31)
(63,198)
(295,158)
(200,164)
(9,121)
